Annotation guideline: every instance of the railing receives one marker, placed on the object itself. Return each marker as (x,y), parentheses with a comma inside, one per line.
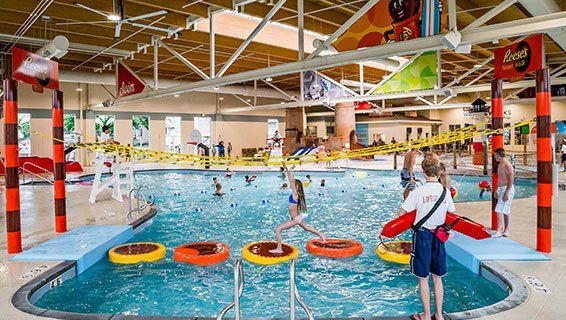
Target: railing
(139,195)
(294,294)
(465,174)
(32,174)
(238,290)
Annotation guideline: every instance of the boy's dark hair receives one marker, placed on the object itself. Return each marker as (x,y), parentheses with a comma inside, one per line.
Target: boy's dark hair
(425,149)
(500,152)
(308,175)
(213,178)
(431,167)
(104,128)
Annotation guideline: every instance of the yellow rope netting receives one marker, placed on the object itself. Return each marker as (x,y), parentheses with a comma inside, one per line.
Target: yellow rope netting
(138,154)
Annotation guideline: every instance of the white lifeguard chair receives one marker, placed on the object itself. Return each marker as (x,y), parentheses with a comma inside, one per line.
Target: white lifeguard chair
(121,181)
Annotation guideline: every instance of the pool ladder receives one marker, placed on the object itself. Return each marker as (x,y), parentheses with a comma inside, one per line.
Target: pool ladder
(139,194)
(239,289)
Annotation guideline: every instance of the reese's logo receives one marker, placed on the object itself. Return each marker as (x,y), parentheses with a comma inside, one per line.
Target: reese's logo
(39,69)
(520,60)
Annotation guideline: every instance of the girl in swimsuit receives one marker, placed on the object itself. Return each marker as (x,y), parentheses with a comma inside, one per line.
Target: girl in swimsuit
(297,205)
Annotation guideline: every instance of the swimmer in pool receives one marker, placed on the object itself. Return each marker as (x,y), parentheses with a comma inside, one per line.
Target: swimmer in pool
(322,183)
(284,186)
(218,191)
(229,173)
(249,179)
(297,205)
(281,173)
(309,178)
(214,181)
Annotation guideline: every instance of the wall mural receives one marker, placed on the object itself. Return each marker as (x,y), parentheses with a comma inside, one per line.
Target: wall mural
(421,74)
(317,86)
(393,21)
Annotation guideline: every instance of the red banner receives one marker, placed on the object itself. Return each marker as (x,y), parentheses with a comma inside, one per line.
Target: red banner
(519,58)
(34,69)
(127,82)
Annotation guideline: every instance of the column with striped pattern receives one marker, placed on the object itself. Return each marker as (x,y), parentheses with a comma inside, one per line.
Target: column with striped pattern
(59,162)
(496,140)
(544,162)
(11,162)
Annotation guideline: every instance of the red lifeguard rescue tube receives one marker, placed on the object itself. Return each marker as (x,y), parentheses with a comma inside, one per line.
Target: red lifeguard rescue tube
(464,225)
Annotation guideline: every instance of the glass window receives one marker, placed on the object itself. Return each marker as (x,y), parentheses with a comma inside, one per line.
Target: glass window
(173,134)
(202,124)
(24,136)
(101,120)
(69,123)
(140,127)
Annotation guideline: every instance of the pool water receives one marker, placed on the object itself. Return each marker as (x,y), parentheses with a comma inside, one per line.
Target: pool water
(346,207)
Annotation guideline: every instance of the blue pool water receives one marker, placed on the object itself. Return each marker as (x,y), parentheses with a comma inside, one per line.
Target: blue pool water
(346,208)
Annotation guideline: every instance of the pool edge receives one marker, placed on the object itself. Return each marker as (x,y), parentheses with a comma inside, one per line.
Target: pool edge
(518,294)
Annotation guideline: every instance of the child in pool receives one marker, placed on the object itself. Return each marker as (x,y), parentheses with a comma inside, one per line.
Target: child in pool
(309,178)
(281,173)
(218,191)
(283,186)
(249,179)
(322,183)
(297,205)
(229,173)
(214,181)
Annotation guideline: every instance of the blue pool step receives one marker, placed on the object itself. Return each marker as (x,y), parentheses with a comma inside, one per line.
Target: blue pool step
(86,245)
(470,253)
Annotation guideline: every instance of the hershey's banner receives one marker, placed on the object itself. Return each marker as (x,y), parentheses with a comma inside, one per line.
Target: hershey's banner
(34,69)
(127,82)
(519,58)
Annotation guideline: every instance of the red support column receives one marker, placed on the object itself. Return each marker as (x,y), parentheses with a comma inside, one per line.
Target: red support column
(11,161)
(544,162)
(59,162)
(496,139)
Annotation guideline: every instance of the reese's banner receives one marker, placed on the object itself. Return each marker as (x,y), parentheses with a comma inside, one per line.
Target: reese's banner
(519,58)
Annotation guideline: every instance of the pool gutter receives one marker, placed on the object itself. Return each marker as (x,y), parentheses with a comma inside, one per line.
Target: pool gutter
(32,291)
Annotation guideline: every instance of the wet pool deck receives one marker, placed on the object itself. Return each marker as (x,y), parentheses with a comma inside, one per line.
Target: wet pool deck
(38,225)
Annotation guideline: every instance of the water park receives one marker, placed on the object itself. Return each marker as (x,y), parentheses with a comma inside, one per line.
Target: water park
(274,159)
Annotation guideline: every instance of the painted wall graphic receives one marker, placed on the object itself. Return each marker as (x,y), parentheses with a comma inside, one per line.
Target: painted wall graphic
(317,86)
(393,21)
(421,74)
(362,130)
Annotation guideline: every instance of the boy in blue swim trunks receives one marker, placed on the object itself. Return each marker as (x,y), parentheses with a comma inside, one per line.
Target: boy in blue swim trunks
(407,173)
(428,253)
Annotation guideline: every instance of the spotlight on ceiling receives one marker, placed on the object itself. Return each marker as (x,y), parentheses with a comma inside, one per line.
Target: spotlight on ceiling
(269,79)
(114,17)
(452,39)
(57,48)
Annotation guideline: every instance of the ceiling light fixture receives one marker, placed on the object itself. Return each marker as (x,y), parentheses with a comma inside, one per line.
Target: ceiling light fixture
(221,98)
(79,89)
(478,66)
(176,96)
(269,79)
(216,88)
(114,17)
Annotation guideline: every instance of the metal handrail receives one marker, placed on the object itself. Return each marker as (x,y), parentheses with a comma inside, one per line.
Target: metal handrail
(294,294)
(238,290)
(32,174)
(139,195)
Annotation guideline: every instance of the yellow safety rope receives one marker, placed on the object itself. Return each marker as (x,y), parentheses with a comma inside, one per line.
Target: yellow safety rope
(138,154)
